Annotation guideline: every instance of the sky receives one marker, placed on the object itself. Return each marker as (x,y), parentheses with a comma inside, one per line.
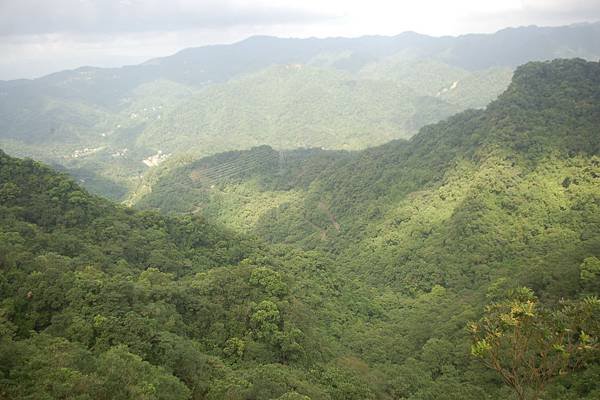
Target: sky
(38,37)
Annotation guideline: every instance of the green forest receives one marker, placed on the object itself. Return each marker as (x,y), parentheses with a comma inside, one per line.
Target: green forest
(463,263)
(110,128)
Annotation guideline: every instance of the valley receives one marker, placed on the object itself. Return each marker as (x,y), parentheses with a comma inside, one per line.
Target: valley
(111,127)
(319,273)
(283,200)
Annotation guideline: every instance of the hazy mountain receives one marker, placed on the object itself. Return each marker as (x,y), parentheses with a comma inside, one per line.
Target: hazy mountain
(112,124)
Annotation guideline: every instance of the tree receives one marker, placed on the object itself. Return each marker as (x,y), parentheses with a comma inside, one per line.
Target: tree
(529,345)
(589,275)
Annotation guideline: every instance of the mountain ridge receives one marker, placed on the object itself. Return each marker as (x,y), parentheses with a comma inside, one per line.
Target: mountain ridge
(413,34)
(437,147)
(374,263)
(102,124)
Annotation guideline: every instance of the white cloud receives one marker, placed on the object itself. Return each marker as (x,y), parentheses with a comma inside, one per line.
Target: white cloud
(120,16)
(40,36)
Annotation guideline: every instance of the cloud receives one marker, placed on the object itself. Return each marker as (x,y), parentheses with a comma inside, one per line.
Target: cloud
(42,36)
(539,12)
(34,17)
(111,17)
(562,6)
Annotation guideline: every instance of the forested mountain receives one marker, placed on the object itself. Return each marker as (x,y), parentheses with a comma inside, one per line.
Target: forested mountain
(547,117)
(108,126)
(98,301)
(356,275)
(469,207)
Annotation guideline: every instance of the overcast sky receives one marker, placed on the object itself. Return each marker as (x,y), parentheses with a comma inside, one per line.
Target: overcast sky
(38,37)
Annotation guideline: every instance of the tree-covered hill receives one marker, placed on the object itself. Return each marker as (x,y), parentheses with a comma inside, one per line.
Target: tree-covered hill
(378,262)
(470,207)
(111,125)
(296,106)
(548,116)
(98,301)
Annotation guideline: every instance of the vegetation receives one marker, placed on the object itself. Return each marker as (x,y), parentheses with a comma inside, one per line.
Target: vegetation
(530,347)
(342,275)
(99,301)
(295,106)
(432,228)
(101,124)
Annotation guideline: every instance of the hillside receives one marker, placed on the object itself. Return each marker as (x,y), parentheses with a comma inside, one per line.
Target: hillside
(378,261)
(489,190)
(435,226)
(296,106)
(528,126)
(100,301)
(110,126)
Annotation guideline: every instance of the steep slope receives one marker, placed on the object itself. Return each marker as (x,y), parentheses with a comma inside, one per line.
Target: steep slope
(295,106)
(99,301)
(436,226)
(408,242)
(110,124)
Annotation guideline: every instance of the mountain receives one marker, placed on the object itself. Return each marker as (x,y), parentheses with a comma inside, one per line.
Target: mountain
(483,201)
(101,301)
(377,262)
(295,106)
(109,126)
(434,226)
(361,187)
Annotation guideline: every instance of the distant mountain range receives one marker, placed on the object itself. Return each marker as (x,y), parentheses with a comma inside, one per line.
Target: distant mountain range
(108,126)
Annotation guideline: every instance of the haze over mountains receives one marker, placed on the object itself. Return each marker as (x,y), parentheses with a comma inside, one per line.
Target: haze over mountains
(110,126)
(326,196)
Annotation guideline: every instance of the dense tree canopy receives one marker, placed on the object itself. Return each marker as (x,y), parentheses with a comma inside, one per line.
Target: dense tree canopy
(340,276)
(107,126)
(471,207)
